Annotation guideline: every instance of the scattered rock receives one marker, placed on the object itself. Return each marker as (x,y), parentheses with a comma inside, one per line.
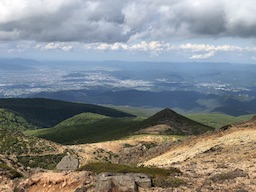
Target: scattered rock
(130,182)
(82,189)
(229,175)
(226,127)
(68,163)
(217,149)
(241,190)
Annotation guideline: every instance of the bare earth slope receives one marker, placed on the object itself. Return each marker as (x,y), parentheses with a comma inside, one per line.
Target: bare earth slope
(223,161)
(219,161)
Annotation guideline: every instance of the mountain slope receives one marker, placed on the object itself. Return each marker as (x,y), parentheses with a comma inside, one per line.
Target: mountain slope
(217,120)
(170,122)
(98,131)
(29,151)
(48,113)
(82,119)
(91,128)
(222,160)
(12,120)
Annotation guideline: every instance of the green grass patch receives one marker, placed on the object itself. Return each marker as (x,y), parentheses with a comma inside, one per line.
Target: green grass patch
(16,143)
(117,168)
(216,120)
(246,117)
(102,130)
(44,161)
(160,177)
(83,118)
(11,120)
(48,113)
(92,128)
(168,182)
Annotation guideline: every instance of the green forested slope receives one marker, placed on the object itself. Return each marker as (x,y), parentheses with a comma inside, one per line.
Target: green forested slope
(12,120)
(218,120)
(48,113)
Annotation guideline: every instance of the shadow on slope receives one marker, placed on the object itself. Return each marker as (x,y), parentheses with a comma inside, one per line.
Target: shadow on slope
(81,129)
(48,113)
(176,123)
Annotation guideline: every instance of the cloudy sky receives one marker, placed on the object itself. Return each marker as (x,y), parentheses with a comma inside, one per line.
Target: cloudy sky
(153,30)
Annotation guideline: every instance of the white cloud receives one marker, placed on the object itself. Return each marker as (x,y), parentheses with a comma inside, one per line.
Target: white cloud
(55,46)
(189,50)
(115,21)
(160,46)
(207,47)
(203,56)
(150,48)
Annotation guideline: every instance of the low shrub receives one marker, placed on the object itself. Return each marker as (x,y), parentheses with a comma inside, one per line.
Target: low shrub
(117,168)
(43,161)
(167,182)
(160,177)
(12,173)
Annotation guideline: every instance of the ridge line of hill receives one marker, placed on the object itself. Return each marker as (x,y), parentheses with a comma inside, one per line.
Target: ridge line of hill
(48,113)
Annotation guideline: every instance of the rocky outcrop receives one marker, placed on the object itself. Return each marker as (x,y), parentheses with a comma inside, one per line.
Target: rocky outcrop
(130,182)
(64,181)
(68,163)
(139,153)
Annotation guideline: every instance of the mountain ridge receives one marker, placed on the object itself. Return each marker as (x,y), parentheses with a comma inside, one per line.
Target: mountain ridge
(174,124)
(99,129)
(48,112)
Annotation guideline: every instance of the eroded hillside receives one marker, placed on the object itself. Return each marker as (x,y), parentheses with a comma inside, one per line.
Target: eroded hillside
(224,160)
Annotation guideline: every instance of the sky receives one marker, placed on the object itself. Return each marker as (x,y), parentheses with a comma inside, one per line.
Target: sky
(129,30)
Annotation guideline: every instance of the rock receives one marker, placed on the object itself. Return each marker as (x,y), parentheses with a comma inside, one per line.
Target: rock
(130,182)
(68,163)
(82,189)
(229,175)
(142,180)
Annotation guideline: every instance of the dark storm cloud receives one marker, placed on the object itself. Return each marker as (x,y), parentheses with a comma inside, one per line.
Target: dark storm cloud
(87,21)
(120,21)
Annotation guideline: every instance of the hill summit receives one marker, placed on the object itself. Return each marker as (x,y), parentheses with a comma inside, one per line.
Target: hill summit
(168,121)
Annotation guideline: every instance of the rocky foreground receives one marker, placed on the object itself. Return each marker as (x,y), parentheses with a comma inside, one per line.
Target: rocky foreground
(221,161)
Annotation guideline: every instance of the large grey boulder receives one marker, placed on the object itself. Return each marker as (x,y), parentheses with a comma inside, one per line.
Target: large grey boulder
(130,182)
(68,163)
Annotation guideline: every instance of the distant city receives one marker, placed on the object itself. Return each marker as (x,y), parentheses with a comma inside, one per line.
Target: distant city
(186,87)
(22,78)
